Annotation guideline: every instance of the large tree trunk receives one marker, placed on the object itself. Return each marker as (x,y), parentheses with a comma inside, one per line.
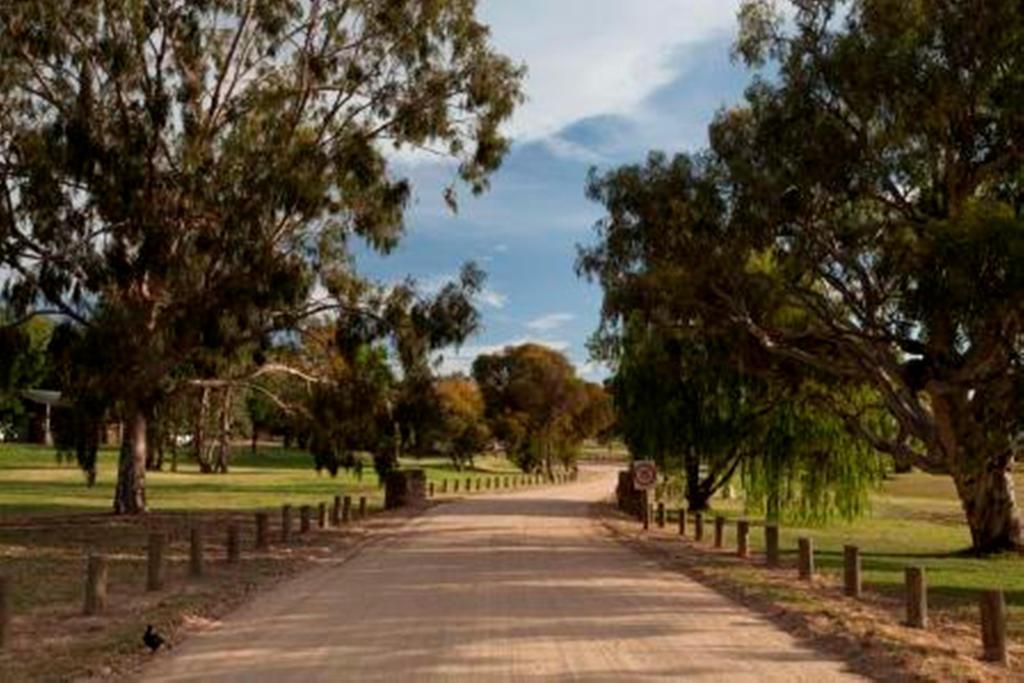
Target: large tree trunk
(130,493)
(987,496)
(981,463)
(199,432)
(224,438)
(696,494)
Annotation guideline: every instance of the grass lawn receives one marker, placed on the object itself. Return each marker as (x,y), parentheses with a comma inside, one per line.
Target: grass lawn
(915,520)
(32,482)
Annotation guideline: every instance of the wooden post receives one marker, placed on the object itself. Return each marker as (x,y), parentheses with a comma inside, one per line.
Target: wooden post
(321,516)
(155,562)
(430,490)
(851,571)
(917,597)
(95,585)
(362,507)
(304,512)
(262,531)
(469,485)
(993,627)
(682,521)
(195,550)
(698,526)
(771,545)
(444,486)
(286,523)
(455,486)
(336,511)
(661,514)
(719,531)
(234,544)
(805,565)
(479,483)
(743,538)
(346,509)
(5,609)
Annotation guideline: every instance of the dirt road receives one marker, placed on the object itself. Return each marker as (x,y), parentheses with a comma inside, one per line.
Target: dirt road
(520,586)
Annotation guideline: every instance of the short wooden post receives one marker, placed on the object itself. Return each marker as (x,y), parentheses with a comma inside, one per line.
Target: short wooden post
(743,538)
(698,526)
(682,521)
(771,544)
(993,626)
(444,486)
(336,511)
(346,509)
(234,544)
(195,551)
(286,523)
(805,563)
(321,516)
(362,507)
(645,513)
(469,485)
(262,531)
(719,531)
(95,585)
(304,513)
(661,514)
(851,571)
(430,490)
(455,486)
(917,597)
(5,609)
(479,483)
(155,561)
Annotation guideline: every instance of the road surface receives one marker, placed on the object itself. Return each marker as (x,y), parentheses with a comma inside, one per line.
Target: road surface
(520,586)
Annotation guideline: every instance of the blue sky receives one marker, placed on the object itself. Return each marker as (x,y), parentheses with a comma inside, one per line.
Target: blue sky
(609,80)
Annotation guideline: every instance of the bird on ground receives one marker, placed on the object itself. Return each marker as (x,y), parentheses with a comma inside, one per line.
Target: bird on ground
(153,640)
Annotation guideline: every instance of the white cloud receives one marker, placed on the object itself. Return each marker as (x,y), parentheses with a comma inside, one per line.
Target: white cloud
(596,56)
(491,298)
(550,322)
(433,284)
(592,370)
(461,359)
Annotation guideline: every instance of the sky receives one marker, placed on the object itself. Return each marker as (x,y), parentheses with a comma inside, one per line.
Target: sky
(608,81)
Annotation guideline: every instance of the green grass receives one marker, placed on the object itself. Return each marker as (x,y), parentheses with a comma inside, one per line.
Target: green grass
(32,482)
(915,520)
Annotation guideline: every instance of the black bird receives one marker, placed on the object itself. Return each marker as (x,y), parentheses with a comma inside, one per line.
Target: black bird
(153,640)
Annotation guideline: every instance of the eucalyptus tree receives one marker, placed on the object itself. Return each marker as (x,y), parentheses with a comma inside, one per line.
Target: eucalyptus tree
(881,179)
(861,219)
(178,176)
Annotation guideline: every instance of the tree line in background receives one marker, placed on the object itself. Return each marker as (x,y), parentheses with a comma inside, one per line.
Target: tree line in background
(836,285)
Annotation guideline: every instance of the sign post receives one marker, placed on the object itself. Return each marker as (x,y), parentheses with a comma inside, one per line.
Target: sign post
(645,477)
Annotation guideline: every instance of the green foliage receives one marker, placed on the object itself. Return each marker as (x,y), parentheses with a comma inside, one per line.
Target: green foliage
(810,468)
(24,364)
(537,407)
(178,177)
(856,226)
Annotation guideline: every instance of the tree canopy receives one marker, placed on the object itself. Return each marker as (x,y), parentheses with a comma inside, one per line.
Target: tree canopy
(184,179)
(537,407)
(859,221)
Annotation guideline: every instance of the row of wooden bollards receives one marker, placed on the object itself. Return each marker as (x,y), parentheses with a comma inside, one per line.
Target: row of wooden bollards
(993,602)
(497,482)
(97,570)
